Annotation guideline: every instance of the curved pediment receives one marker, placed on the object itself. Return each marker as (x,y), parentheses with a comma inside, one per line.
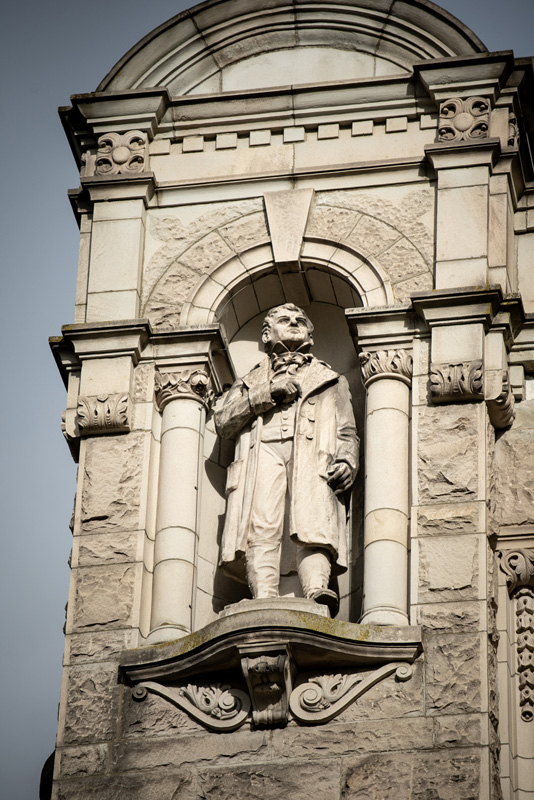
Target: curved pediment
(249,44)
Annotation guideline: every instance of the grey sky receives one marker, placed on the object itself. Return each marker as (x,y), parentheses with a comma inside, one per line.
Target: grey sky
(50,50)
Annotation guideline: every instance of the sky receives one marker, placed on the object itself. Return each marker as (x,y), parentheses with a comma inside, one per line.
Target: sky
(49,51)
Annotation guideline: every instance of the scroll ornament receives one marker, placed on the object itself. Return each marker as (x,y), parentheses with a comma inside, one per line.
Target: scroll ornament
(386,364)
(121,153)
(464,120)
(105,413)
(313,702)
(452,382)
(518,566)
(185,383)
(502,409)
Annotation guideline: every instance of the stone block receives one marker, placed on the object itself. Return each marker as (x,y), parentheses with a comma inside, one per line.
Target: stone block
(103,306)
(165,304)
(330,222)
(465,730)
(143,391)
(85,760)
(206,253)
(99,645)
(450,519)
(91,704)
(462,226)
(298,781)
(403,260)
(404,289)
(514,465)
(245,232)
(154,717)
(104,596)
(112,483)
(461,617)
(453,673)
(127,787)
(260,138)
(448,568)
(372,236)
(389,699)
(105,548)
(448,453)
(453,775)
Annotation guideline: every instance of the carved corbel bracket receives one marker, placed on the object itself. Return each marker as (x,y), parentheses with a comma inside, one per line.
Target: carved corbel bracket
(187,383)
(501,409)
(105,413)
(298,666)
(450,383)
(397,364)
(518,566)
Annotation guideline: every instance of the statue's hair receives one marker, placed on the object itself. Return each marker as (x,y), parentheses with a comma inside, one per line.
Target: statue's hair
(266,325)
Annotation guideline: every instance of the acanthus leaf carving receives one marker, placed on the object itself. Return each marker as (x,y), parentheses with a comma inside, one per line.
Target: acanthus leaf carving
(518,566)
(322,698)
(191,383)
(105,413)
(218,706)
(502,408)
(464,119)
(386,364)
(124,153)
(454,382)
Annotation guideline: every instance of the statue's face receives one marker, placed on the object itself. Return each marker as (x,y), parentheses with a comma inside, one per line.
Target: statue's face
(289,328)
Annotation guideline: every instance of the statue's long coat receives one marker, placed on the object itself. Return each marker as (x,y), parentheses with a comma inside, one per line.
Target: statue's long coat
(325,433)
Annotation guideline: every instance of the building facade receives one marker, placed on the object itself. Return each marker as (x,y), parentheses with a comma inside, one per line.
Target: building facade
(372,164)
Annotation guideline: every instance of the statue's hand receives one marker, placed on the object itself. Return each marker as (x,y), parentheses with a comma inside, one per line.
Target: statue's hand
(285,388)
(339,477)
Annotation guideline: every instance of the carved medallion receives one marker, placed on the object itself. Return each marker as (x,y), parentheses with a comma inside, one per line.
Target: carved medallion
(121,153)
(464,120)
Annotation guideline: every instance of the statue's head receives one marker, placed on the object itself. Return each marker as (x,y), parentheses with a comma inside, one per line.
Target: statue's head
(287,327)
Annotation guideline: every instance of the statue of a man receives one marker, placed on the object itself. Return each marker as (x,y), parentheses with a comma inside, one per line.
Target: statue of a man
(296,458)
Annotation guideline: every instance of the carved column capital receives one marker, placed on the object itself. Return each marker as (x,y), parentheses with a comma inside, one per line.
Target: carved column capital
(397,364)
(454,382)
(121,153)
(189,383)
(105,413)
(463,120)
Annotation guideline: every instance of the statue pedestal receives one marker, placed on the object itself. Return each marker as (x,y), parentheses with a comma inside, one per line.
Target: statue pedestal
(276,604)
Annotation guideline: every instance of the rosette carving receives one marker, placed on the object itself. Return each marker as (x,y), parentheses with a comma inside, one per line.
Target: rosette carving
(453,382)
(191,383)
(502,409)
(386,364)
(218,706)
(464,120)
(121,153)
(518,566)
(105,413)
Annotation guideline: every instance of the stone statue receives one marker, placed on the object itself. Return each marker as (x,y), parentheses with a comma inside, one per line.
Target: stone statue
(296,458)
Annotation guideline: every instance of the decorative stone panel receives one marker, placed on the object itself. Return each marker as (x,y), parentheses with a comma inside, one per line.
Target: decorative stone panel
(453,382)
(464,120)
(121,153)
(105,413)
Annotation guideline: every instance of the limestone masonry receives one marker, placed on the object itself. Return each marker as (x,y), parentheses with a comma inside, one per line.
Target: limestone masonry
(312,578)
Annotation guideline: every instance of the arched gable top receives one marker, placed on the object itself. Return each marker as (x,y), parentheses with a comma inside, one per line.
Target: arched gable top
(224,45)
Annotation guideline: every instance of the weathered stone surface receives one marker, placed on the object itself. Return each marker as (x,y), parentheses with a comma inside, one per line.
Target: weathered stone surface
(372,236)
(104,596)
(462,617)
(403,260)
(85,760)
(128,787)
(165,753)
(461,730)
(448,453)
(514,465)
(154,716)
(359,736)
(448,568)
(457,518)
(100,646)
(207,252)
(143,383)
(112,483)
(329,222)
(453,673)
(403,290)
(245,232)
(107,548)
(389,698)
(298,781)
(165,304)
(91,709)
(450,775)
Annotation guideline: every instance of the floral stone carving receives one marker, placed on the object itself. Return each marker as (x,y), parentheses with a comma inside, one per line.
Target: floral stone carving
(464,120)
(185,383)
(518,566)
(386,364)
(453,382)
(105,413)
(121,153)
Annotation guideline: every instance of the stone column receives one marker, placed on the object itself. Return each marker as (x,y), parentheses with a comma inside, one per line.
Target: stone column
(182,397)
(387,377)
